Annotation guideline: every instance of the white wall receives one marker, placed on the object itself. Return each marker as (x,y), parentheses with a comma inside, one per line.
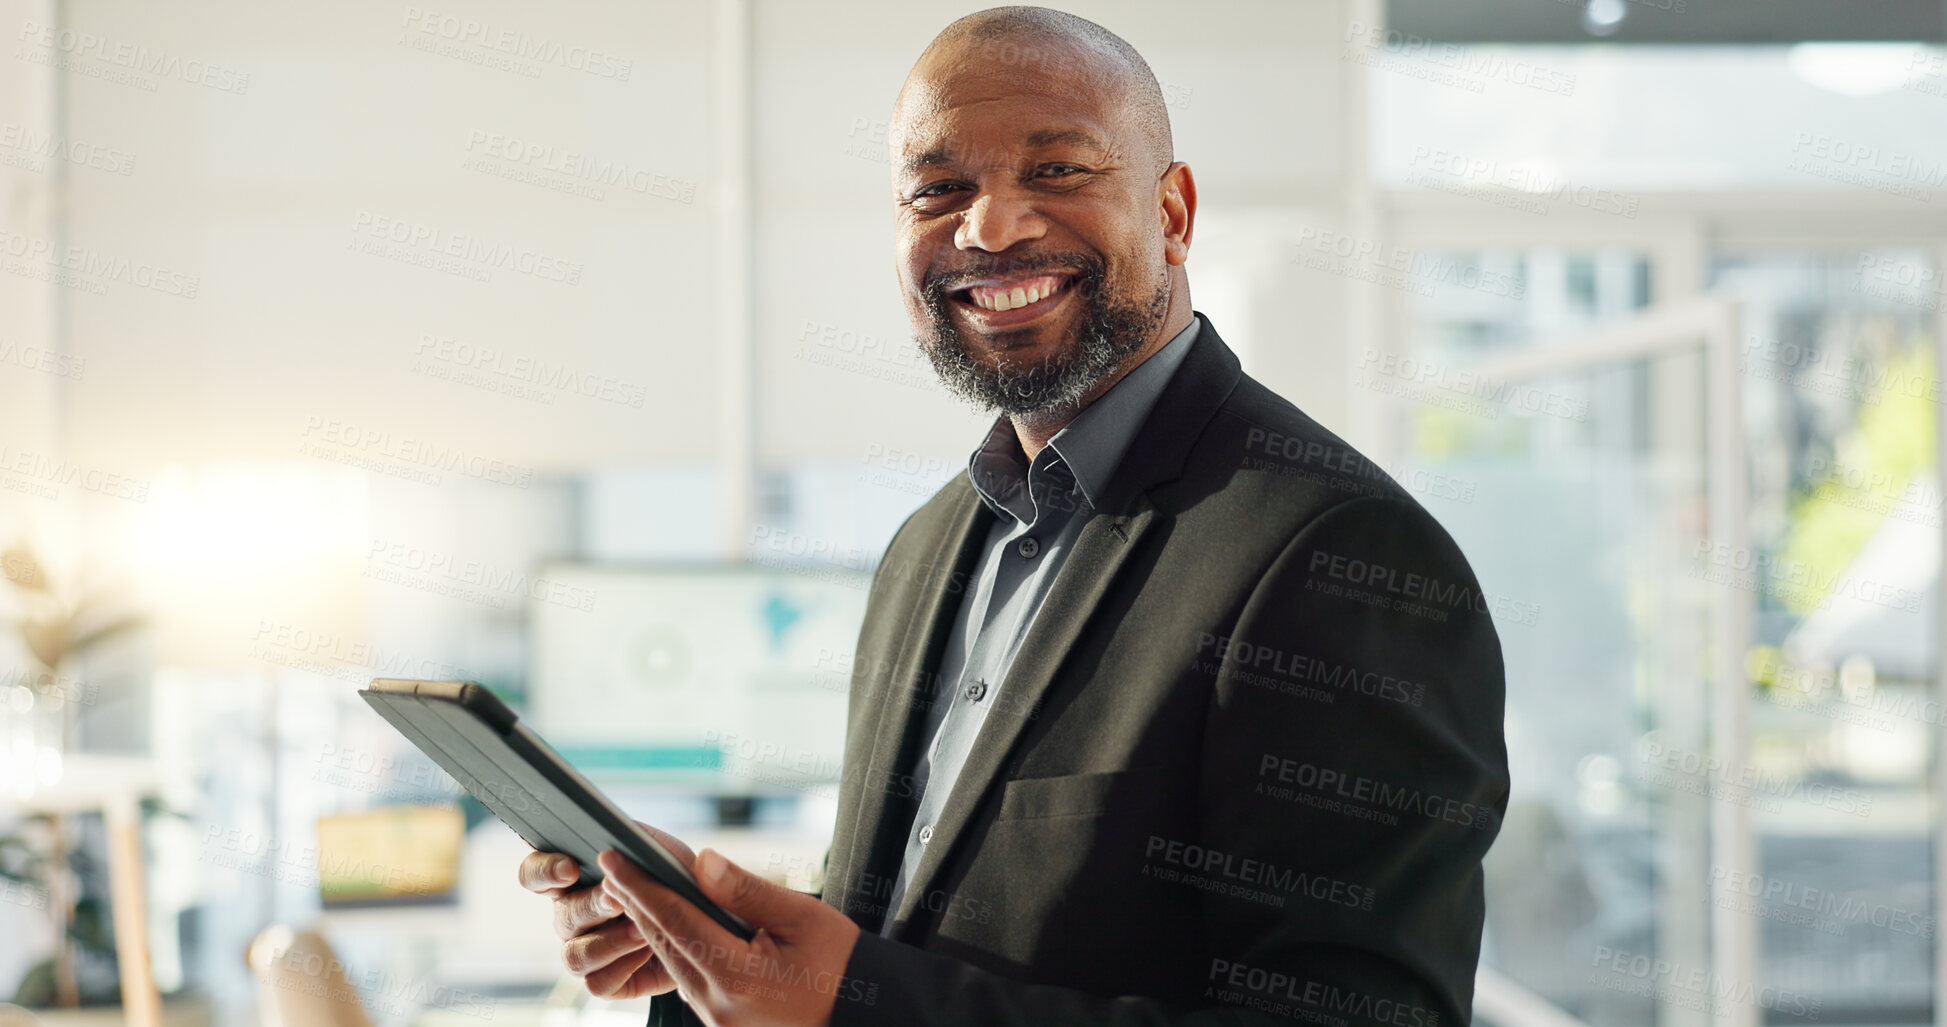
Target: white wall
(257,196)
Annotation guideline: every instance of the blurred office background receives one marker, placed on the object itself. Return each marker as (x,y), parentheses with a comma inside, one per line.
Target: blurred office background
(557,348)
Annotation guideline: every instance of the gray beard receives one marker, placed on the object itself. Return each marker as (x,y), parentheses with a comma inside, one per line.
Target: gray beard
(1107,335)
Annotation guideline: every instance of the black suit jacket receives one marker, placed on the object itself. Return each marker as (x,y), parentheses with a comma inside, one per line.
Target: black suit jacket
(1242,771)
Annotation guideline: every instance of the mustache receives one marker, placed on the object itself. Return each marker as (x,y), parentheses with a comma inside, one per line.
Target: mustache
(1087,269)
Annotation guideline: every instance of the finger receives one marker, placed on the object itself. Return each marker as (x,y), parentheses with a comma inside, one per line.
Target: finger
(632,976)
(675,960)
(749,896)
(593,950)
(577,911)
(674,844)
(646,898)
(547,871)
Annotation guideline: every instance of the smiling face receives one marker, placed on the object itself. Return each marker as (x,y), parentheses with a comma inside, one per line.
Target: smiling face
(1040,234)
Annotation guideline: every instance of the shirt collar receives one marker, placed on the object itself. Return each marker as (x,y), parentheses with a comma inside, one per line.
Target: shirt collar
(1090,446)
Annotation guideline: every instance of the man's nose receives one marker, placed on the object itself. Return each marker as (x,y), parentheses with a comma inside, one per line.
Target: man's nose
(995,221)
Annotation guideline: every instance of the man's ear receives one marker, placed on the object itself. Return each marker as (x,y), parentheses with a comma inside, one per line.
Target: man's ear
(1179,212)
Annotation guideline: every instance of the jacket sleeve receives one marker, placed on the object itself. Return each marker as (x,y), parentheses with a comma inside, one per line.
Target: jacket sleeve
(1353,751)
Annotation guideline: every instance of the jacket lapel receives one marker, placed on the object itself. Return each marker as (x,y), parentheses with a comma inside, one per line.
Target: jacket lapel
(1156,456)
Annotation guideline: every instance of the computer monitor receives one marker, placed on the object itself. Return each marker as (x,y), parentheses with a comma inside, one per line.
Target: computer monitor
(732,678)
(395,855)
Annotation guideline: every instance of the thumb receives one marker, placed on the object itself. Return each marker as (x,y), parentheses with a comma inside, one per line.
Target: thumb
(738,890)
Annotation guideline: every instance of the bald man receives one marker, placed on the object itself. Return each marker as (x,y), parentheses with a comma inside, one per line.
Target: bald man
(1173,709)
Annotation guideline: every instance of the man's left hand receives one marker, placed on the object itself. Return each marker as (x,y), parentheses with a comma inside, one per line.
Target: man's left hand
(789,975)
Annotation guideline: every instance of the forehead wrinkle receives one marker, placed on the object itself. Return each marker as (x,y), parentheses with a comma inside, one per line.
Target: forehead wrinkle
(944,156)
(1090,134)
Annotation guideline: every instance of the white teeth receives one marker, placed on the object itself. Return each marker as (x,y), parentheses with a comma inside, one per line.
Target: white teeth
(1013,298)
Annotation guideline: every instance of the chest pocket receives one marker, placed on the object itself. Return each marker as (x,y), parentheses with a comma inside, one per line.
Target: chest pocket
(1082,795)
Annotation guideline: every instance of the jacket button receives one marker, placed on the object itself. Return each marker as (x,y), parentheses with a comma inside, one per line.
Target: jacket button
(1028,547)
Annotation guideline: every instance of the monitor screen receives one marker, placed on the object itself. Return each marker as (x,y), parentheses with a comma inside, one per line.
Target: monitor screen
(390,856)
(739,672)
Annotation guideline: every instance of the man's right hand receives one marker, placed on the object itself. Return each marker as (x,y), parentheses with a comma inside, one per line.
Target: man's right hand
(599,944)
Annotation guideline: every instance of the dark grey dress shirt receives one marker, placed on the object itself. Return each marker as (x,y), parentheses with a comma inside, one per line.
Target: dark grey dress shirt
(1039,509)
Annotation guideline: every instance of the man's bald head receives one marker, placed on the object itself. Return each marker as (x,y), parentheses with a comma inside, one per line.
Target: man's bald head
(1020,39)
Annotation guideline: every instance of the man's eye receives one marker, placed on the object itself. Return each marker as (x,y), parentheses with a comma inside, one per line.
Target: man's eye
(1059,170)
(936,189)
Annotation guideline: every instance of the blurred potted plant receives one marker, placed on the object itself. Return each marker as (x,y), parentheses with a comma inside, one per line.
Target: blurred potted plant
(57,631)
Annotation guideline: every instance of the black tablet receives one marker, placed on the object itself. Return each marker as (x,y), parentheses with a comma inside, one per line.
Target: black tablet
(470,732)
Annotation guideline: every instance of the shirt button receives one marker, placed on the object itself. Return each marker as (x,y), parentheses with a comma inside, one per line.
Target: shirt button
(1028,547)
(976,690)
(926,834)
